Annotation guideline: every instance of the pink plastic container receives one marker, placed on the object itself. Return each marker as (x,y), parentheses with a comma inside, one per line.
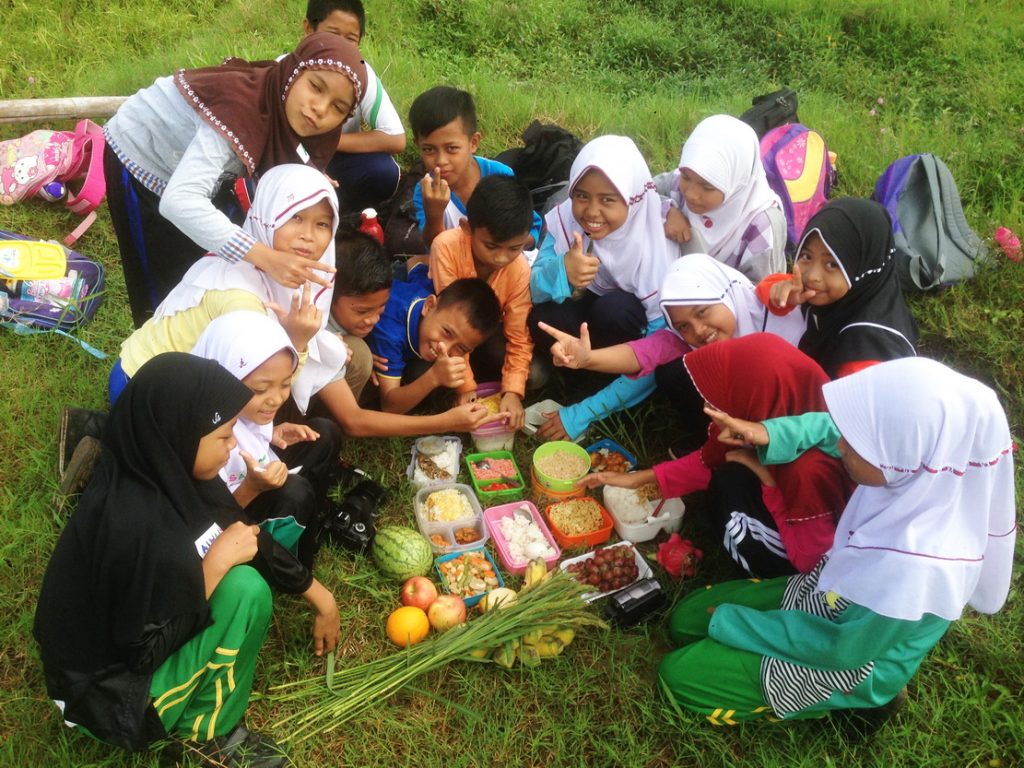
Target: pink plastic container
(494,435)
(493,515)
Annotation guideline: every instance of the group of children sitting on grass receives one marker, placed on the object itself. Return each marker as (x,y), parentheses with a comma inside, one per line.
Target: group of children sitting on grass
(879,495)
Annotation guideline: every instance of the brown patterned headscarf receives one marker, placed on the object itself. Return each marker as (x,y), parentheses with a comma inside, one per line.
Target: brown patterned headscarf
(244,101)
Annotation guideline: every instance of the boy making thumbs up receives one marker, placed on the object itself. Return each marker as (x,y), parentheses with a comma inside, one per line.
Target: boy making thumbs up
(427,338)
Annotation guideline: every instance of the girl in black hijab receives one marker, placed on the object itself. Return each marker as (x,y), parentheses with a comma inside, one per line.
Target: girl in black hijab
(148,623)
(845,278)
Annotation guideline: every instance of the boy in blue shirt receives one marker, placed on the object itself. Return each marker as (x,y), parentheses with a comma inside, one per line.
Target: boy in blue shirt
(444,128)
(426,339)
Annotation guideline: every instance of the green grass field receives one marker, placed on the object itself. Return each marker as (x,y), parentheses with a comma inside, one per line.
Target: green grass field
(945,77)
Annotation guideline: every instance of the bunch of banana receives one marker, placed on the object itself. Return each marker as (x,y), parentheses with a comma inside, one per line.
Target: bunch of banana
(536,573)
(541,643)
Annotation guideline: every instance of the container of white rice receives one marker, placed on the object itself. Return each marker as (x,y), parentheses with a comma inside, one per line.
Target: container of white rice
(632,512)
(520,534)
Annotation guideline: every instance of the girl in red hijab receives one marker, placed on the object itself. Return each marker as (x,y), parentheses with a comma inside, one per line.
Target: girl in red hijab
(176,149)
(773,520)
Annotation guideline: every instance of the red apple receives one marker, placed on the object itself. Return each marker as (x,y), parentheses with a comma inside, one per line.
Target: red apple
(419,592)
(446,612)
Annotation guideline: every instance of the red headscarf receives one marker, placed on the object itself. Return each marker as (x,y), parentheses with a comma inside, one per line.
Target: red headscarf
(244,101)
(762,376)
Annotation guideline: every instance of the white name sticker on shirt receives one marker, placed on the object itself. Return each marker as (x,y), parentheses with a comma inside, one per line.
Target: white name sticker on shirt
(204,542)
(302,153)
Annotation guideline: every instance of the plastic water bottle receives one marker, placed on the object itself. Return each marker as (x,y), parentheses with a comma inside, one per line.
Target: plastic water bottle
(370,224)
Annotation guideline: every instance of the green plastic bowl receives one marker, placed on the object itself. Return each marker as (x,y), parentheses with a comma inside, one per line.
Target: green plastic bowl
(557,484)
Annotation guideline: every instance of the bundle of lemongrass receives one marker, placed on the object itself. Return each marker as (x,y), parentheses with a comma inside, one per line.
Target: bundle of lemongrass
(331,700)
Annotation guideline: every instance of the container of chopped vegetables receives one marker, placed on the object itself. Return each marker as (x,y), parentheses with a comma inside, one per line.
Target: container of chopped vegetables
(470,574)
(495,477)
(450,517)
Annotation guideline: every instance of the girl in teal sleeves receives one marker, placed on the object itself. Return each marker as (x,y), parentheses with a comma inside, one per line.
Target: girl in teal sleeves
(929,531)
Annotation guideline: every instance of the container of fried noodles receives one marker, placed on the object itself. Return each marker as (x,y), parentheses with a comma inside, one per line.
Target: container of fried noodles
(579,523)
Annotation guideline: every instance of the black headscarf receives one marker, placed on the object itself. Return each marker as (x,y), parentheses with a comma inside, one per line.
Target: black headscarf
(872,321)
(127,562)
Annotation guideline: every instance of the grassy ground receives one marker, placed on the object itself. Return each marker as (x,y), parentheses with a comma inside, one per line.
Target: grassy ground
(944,77)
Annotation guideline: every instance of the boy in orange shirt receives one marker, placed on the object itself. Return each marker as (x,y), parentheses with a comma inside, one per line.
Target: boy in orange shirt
(489,245)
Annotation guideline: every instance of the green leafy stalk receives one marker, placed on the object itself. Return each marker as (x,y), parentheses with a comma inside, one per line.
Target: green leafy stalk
(343,694)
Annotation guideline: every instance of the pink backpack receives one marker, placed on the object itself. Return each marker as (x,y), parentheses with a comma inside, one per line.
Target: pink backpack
(796,161)
(31,162)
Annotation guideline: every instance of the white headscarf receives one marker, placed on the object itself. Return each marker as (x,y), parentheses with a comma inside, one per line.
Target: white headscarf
(282,191)
(635,257)
(698,279)
(939,535)
(725,152)
(242,342)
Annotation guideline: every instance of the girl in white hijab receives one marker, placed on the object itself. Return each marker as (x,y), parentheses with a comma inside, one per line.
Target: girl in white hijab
(929,532)
(286,503)
(602,263)
(702,301)
(295,209)
(722,199)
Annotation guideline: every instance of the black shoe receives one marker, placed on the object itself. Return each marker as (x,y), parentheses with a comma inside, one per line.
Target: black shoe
(859,724)
(344,474)
(243,748)
(79,468)
(76,423)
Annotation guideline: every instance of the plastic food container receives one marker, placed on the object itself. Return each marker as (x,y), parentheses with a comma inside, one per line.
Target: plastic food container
(590,539)
(447,458)
(606,444)
(492,518)
(560,446)
(533,418)
(669,519)
(473,599)
(644,570)
(543,496)
(486,497)
(450,531)
(494,435)
(534,415)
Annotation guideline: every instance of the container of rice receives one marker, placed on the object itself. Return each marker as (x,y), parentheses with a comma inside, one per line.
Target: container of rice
(450,517)
(520,534)
(435,461)
(632,510)
(560,465)
(494,435)
(579,522)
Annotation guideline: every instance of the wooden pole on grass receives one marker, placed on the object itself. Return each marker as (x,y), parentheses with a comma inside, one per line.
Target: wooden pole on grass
(75,107)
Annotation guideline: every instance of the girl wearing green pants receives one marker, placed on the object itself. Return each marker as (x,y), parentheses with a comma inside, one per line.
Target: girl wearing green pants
(929,531)
(149,623)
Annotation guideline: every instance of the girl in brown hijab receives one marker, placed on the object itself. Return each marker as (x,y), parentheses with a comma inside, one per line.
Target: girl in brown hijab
(176,150)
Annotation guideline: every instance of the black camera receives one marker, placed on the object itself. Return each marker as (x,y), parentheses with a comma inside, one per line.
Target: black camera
(350,523)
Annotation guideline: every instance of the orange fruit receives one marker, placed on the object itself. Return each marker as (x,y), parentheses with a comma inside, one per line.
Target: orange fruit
(407,626)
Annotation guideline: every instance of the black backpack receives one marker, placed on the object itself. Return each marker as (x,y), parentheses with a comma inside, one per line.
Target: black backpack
(771,110)
(543,163)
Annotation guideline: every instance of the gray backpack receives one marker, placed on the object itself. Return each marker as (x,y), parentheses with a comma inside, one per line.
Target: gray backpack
(934,244)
